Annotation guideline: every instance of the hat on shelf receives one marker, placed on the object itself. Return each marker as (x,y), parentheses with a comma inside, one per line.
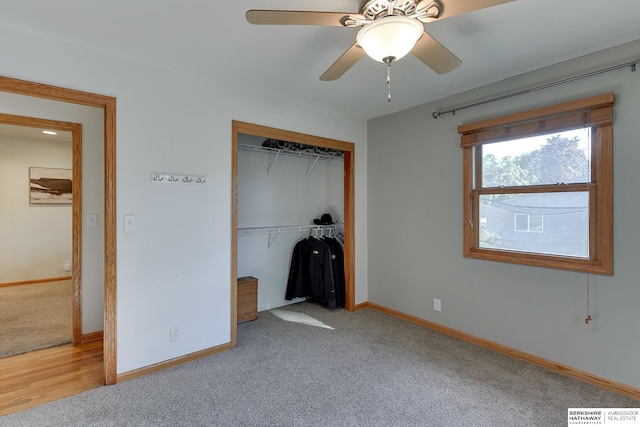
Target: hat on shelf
(325,219)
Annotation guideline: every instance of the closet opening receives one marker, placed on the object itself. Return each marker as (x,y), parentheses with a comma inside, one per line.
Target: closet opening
(283,184)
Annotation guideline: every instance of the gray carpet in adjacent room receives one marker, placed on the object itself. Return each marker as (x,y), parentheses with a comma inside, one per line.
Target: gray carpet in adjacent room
(303,365)
(35,316)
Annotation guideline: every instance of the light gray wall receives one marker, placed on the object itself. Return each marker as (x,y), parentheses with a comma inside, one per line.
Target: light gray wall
(415,230)
(35,239)
(284,196)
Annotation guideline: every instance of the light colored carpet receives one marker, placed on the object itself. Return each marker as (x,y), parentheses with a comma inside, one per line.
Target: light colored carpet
(35,316)
(303,365)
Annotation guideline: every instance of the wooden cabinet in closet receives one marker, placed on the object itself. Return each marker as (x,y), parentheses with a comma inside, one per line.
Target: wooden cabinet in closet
(247,299)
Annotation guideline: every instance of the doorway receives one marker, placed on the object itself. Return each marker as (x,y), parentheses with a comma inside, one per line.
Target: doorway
(108,105)
(37,232)
(348,149)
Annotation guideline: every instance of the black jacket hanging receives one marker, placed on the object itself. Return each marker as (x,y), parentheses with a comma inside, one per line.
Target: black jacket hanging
(337,266)
(311,274)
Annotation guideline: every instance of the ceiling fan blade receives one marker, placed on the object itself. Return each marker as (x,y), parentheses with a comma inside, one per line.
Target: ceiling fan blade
(346,61)
(459,7)
(434,55)
(295,17)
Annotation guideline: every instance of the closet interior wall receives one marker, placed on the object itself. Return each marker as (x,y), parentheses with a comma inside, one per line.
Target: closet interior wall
(285,196)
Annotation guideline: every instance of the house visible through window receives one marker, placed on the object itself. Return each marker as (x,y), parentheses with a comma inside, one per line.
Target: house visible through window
(531,223)
(538,186)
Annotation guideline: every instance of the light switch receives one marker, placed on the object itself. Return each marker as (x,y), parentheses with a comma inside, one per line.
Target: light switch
(92,220)
(129,223)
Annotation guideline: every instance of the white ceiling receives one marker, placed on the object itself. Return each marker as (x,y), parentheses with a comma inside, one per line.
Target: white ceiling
(12,131)
(212,39)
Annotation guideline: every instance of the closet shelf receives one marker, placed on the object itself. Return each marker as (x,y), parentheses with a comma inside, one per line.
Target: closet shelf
(302,154)
(277,152)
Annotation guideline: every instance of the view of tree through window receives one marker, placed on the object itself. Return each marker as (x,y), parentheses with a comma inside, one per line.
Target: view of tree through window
(562,159)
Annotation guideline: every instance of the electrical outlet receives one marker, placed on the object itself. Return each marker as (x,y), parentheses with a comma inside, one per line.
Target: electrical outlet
(437,305)
(174,333)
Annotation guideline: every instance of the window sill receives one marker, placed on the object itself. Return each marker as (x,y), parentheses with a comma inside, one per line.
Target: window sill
(557,262)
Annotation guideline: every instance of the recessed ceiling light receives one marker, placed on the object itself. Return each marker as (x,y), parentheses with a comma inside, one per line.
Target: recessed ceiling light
(49,132)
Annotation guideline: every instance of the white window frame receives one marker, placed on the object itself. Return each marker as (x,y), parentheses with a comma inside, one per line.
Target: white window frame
(528,216)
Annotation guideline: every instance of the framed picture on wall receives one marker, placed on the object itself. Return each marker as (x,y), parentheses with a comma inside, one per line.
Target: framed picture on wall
(50,186)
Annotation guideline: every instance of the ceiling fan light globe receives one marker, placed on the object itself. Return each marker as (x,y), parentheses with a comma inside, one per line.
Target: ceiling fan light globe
(391,36)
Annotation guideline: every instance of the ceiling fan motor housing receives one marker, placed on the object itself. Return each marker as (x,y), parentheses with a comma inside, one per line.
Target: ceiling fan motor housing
(375,9)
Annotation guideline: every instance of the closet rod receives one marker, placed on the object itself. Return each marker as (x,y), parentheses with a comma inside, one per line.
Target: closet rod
(632,64)
(285,228)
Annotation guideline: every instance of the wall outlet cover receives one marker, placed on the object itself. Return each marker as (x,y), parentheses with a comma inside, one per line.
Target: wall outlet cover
(174,333)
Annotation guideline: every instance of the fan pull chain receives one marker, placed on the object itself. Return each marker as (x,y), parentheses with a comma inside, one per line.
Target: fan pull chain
(588,318)
(388,60)
(389,82)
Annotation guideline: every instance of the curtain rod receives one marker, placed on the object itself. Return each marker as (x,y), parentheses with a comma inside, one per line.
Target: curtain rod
(632,64)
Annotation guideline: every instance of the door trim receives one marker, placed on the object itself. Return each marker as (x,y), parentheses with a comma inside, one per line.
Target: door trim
(108,104)
(348,149)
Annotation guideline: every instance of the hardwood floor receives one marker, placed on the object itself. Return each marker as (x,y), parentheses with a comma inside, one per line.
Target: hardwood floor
(42,376)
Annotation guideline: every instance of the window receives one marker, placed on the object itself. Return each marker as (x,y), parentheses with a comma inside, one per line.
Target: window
(530,223)
(538,187)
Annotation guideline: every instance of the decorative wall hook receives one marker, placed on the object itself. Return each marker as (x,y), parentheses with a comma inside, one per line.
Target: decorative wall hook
(167,178)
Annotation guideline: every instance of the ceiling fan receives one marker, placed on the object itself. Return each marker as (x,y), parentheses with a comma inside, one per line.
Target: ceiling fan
(390,30)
